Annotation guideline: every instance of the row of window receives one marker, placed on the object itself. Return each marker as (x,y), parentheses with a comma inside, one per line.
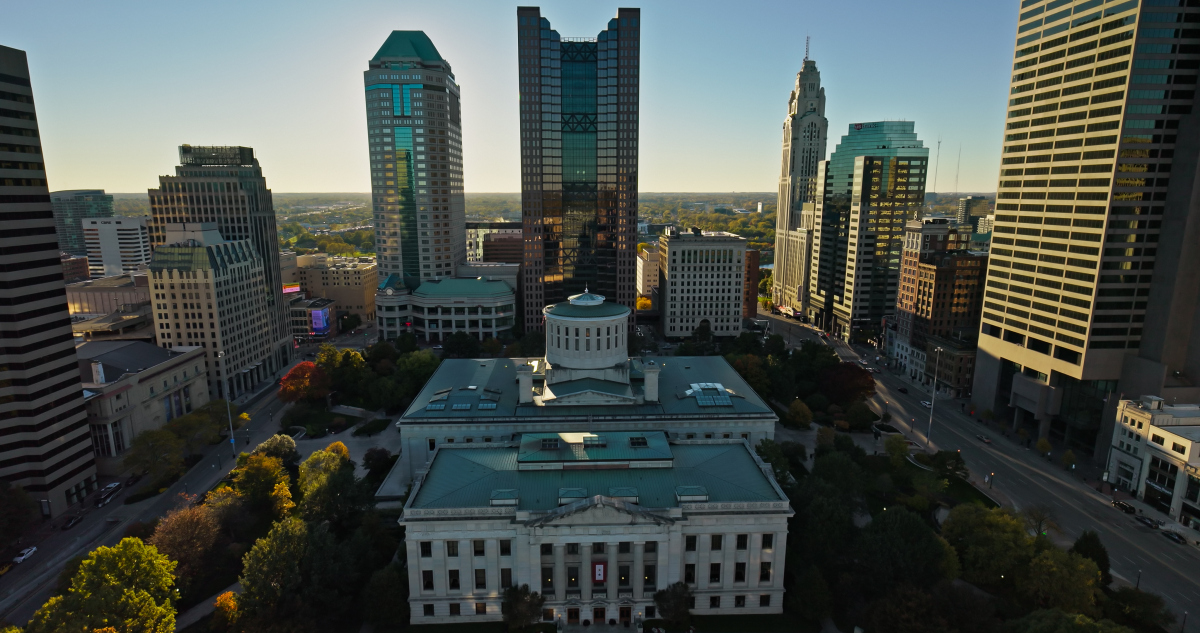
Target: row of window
(714,573)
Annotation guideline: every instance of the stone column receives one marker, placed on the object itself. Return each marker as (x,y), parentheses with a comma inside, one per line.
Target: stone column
(560,572)
(1181,482)
(441,580)
(610,551)
(535,567)
(753,558)
(728,561)
(778,556)
(637,571)
(585,571)
(671,549)
(491,549)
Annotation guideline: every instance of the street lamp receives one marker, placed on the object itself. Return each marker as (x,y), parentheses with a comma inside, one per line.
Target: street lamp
(1138,584)
(933,402)
(228,411)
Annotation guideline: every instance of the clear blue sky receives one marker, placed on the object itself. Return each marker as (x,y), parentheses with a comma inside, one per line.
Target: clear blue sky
(119,85)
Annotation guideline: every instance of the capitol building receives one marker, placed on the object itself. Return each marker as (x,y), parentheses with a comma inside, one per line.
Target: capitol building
(594,478)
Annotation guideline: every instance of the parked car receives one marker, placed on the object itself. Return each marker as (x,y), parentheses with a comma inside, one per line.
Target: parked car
(437,347)
(862,362)
(24,555)
(134,478)
(107,493)
(985,439)
(1175,536)
(1124,507)
(5,568)
(903,390)
(1147,521)
(927,404)
(72,522)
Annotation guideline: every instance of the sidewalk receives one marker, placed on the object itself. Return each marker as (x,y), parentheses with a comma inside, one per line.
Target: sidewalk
(206,606)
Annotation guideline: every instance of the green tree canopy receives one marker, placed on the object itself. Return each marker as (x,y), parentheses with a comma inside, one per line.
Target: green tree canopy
(672,603)
(522,608)
(1088,545)
(157,452)
(897,547)
(992,544)
(257,478)
(1061,580)
(129,587)
(1059,621)
(271,576)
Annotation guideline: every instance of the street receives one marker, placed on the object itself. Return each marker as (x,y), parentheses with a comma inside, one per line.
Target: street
(1022,478)
(29,585)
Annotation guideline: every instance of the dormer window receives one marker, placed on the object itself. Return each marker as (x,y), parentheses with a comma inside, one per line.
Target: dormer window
(637,441)
(550,444)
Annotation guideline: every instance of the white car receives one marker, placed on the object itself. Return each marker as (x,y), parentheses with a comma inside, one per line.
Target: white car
(25,554)
(927,404)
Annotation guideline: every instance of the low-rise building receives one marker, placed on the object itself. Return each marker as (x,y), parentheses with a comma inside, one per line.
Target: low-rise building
(480,306)
(349,281)
(596,522)
(647,270)
(701,282)
(477,231)
(131,322)
(131,387)
(502,271)
(508,248)
(116,246)
(312,319)
(98,297)
(75,267)
(1155,454)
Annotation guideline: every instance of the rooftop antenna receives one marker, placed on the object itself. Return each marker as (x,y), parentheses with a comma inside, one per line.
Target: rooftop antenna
(937,162)
(806,40)
(956,166)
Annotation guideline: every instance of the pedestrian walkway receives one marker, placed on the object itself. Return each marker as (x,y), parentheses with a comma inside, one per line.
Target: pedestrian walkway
(193,615)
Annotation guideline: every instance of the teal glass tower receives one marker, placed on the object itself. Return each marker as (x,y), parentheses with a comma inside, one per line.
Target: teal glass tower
(579,161)
(872,184)
(414,130)
(71,208)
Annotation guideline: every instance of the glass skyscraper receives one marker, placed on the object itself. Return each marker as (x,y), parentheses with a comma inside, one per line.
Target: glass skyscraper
(71,208)
(872,184)
(579,161)
(1091,288)
(414,131)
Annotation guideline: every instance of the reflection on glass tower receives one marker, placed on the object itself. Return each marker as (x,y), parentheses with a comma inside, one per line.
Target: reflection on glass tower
(579,130)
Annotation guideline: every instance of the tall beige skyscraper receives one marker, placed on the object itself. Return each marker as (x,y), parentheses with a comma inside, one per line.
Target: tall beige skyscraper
(45,442)
(805,131)
(1096,221)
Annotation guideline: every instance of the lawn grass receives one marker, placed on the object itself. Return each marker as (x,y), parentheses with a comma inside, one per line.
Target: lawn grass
(963,492)
(373,427)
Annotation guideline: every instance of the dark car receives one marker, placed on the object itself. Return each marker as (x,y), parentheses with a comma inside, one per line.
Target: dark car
(1124,507)
(72,522)
(1147,521)
(903,390)
(1175,536)
(985,439)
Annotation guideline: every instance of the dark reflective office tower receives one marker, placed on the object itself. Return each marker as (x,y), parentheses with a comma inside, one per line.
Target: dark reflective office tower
(579,138)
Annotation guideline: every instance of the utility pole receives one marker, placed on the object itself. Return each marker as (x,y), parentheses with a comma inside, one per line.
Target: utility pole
(229,412)
(933,401)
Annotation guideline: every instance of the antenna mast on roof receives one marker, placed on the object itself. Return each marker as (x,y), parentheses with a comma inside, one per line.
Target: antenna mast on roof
(806,40)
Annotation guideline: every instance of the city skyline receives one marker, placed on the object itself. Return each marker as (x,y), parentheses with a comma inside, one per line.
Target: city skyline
(969,60)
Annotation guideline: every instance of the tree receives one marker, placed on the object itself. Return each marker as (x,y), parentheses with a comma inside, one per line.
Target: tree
(839,470)
(817,403)
(896,447)
(643,303)
(775,346)
(330,491)
(533,345)
(225,612)
(491,346)
(377,460)
(187,536)
(810,598)
(764,285)
(1089,546)
(1068,458)
(271,577)
(157,452)
(753,370)
(460,345)
(949,464)
(70,568)
(772,453)
(1059,621)
(860,416)
(1040,519)
(339,449)
(847,382)
(281,500)
(19,512)
(1061,580)
(1043,446)
(799,415)
(898,547)
(305,382)
(383,599)
(992,544)
(907,610)
(256,480)
(521,607)
(1139,609)
(196,429)
(281,447)
(129,585)
(673,604)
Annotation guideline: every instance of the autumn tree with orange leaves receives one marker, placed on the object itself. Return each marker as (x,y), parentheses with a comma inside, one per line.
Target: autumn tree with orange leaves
(305,381)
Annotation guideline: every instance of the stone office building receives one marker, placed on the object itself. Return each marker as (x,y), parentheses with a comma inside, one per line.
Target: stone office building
(597,523)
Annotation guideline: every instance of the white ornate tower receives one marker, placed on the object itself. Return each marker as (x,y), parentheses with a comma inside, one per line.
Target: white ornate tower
(804,134)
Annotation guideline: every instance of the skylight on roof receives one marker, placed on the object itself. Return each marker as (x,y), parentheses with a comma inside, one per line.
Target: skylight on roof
(637,441)
(435,407)
(461,406)
(487,406)
(714,401)
(550,443)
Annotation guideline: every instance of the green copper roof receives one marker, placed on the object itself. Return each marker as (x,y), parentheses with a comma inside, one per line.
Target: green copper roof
(606,309)
(602,446)
(462,477)
(409,44)
(464,288)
